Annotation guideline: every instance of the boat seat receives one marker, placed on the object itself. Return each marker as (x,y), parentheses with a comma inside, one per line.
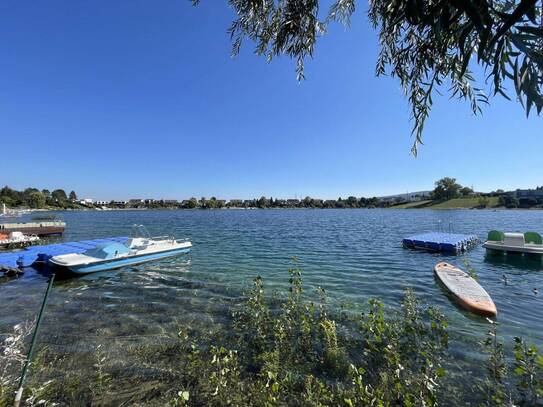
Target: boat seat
(533,238)
(513,239)
(495,236)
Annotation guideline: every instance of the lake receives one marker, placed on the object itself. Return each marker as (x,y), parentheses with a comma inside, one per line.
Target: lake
(353,254)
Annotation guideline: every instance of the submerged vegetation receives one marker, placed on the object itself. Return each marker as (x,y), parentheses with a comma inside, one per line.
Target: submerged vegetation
(289,348)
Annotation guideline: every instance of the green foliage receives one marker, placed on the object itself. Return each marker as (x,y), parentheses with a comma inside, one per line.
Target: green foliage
(36,200)
(466,191)
(295,353)
(193,203)
(102,379)
(483,201)
(446,188)
(509,201)
(59,195)
(290,349)
(494,387)
(528,368)
(470,269)
(428,46)
(407,352)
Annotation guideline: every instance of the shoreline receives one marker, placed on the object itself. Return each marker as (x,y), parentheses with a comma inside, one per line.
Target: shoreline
(257,208)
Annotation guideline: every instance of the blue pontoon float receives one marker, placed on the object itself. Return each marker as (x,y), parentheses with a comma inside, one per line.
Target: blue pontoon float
(41,254)
(440,242)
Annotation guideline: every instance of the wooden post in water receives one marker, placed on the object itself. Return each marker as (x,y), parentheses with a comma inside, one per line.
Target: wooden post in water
(28,360)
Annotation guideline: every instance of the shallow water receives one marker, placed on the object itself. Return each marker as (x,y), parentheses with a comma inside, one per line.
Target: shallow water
(353,254)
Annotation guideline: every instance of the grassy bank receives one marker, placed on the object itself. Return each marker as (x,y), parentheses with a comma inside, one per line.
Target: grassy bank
(465,203)
(456,203)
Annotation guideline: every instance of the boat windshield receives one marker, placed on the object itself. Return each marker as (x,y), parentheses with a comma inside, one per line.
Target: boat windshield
(107,251)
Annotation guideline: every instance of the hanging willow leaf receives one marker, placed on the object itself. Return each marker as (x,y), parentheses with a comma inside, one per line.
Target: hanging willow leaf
(424,44)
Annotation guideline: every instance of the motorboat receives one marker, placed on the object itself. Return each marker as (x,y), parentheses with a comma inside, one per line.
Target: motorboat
(529,242)
(14,240)
(114,255)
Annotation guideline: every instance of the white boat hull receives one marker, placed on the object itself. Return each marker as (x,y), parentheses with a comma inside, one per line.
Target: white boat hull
(82,264)
(527,248)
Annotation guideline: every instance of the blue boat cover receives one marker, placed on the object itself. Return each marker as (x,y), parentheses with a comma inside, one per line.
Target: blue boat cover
(28,256)
(107,251)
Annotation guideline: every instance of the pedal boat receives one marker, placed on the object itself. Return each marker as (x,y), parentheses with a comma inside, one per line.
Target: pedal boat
(116,255)
(528,243)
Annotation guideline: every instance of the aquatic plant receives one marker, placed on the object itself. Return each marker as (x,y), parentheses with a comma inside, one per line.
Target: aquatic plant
(294,352)
(12,358)
(102,379)
(529,371)
(289,348)
(494,388)
(470,270)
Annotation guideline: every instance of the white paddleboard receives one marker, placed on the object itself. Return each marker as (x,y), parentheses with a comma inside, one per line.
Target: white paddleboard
(467,292)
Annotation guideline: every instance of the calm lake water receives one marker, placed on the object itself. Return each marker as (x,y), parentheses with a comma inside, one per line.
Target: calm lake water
(353,254)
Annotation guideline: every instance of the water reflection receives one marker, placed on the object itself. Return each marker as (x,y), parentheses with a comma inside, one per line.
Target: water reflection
(514,262)
(353,254)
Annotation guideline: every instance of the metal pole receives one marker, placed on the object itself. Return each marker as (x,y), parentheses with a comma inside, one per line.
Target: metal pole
(28,360)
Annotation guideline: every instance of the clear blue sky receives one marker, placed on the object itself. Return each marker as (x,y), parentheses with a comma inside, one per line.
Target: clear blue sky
(122,99)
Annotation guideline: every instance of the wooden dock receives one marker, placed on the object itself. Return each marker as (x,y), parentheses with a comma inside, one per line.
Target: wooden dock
(46,228)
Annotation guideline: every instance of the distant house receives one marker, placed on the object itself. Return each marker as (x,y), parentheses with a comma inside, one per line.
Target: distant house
(221,202)
(102,202)
(119,203)
(280,202)
(407,197)
(249,203)
(136,201)
(293,202)
(86,201)
(171,201)
(389,200)
(235,203)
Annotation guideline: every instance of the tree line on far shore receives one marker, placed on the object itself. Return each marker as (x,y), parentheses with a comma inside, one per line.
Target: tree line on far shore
(262,202)
(445,189)
(36,199)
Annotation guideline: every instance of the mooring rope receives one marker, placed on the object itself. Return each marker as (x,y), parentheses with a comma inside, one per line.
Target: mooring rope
(28,360)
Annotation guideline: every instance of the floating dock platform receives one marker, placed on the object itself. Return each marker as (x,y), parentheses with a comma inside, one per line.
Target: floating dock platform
(41,254)
(441,242)
(37,228)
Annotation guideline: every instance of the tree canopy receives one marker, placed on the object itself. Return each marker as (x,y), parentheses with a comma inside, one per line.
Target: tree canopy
(446,188)
(427,45)
(34,198)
